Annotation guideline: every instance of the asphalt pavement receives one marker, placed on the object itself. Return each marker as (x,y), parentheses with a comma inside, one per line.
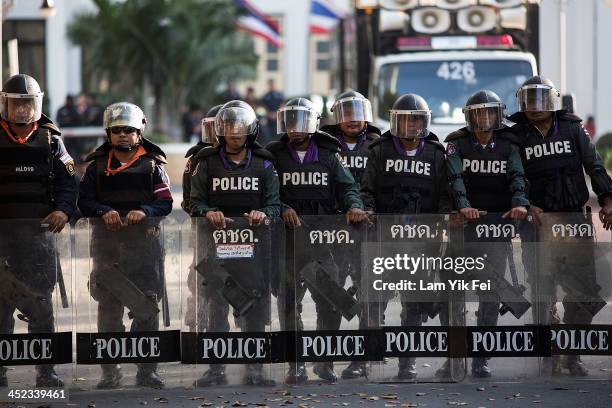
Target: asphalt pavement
(559,393)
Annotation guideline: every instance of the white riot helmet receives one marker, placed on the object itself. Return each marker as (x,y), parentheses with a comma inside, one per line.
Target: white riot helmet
(127,118)
(124,114)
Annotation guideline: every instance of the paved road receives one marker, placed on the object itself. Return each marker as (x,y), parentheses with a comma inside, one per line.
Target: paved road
(562,393)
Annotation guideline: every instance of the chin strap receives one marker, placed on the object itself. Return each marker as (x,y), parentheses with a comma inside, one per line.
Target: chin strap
(126,148)
(244,146)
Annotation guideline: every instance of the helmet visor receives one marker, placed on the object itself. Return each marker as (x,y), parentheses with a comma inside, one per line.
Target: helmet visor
(235,121)
(352,110)
(124,114)
(538,98)
(484,117)
(208,130)
(296,120)
(410,124)
(21,108)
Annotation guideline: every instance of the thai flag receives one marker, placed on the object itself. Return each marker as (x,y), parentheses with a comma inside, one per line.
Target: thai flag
(324,15)
(258,23)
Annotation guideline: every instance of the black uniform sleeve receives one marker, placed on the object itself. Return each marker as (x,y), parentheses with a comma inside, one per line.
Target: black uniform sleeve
(185,205)
(162,204)
(454,169)
(516,177)
(199,191)
(87,195)
(444,202)
(347,193)
(271,196)
(593,165)
(64,182)
(368,180)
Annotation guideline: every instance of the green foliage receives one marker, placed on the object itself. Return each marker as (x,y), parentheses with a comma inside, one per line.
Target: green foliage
(156,137)
(604,147)
(182,50)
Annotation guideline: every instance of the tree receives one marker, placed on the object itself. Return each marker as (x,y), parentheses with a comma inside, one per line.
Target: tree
(181,50)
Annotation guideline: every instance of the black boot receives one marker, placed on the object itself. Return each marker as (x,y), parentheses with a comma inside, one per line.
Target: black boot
(407,369)
(355,370)
(575,367)
(147,376)
(551,365)
(3,379)
(254,376)
(296,374)
(111,377)
(47,377)
(445,370)
(480,369)
(325,371)
(215,375)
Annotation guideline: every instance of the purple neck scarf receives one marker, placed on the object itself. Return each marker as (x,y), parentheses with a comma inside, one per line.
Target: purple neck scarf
(228,166)
(401,150)
(312,153)
(360,141)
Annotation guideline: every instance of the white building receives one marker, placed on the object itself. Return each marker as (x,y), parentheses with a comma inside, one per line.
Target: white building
(589,29)
(301,66)
(62,60)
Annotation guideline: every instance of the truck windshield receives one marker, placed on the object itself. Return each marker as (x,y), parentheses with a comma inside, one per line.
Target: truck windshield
(446,85)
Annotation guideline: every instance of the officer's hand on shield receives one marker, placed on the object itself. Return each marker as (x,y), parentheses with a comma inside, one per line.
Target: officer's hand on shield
(112,220)
(470,213)
(370,214)
(291,218)
(134,217)
(255,217)
(517,213)
(56,221)
(605,214)
(217,219)
(356,215)
(534,215)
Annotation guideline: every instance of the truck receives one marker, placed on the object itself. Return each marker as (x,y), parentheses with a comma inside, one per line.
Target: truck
(443,50)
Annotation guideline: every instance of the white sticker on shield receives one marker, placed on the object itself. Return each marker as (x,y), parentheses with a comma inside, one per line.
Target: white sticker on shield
(235,251)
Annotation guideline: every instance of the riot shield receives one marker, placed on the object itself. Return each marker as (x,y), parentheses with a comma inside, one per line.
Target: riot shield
(321,309)
(229,341)
(574,267)
(128,315)
(420,322)
(503,339)
(36,305)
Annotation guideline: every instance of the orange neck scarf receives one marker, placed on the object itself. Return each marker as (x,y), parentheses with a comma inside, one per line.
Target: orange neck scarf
(111,172)
(20,140)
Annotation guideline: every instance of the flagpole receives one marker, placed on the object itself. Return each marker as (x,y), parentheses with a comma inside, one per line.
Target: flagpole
(308,54)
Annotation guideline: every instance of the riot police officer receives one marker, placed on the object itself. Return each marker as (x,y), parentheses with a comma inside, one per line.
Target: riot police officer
(353,129)
(486,175)
(125,184)
(238,155)
(355,132)
(303,149)
(45,191)
(195,308)
(557,184)
(208,139)
(388,190)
